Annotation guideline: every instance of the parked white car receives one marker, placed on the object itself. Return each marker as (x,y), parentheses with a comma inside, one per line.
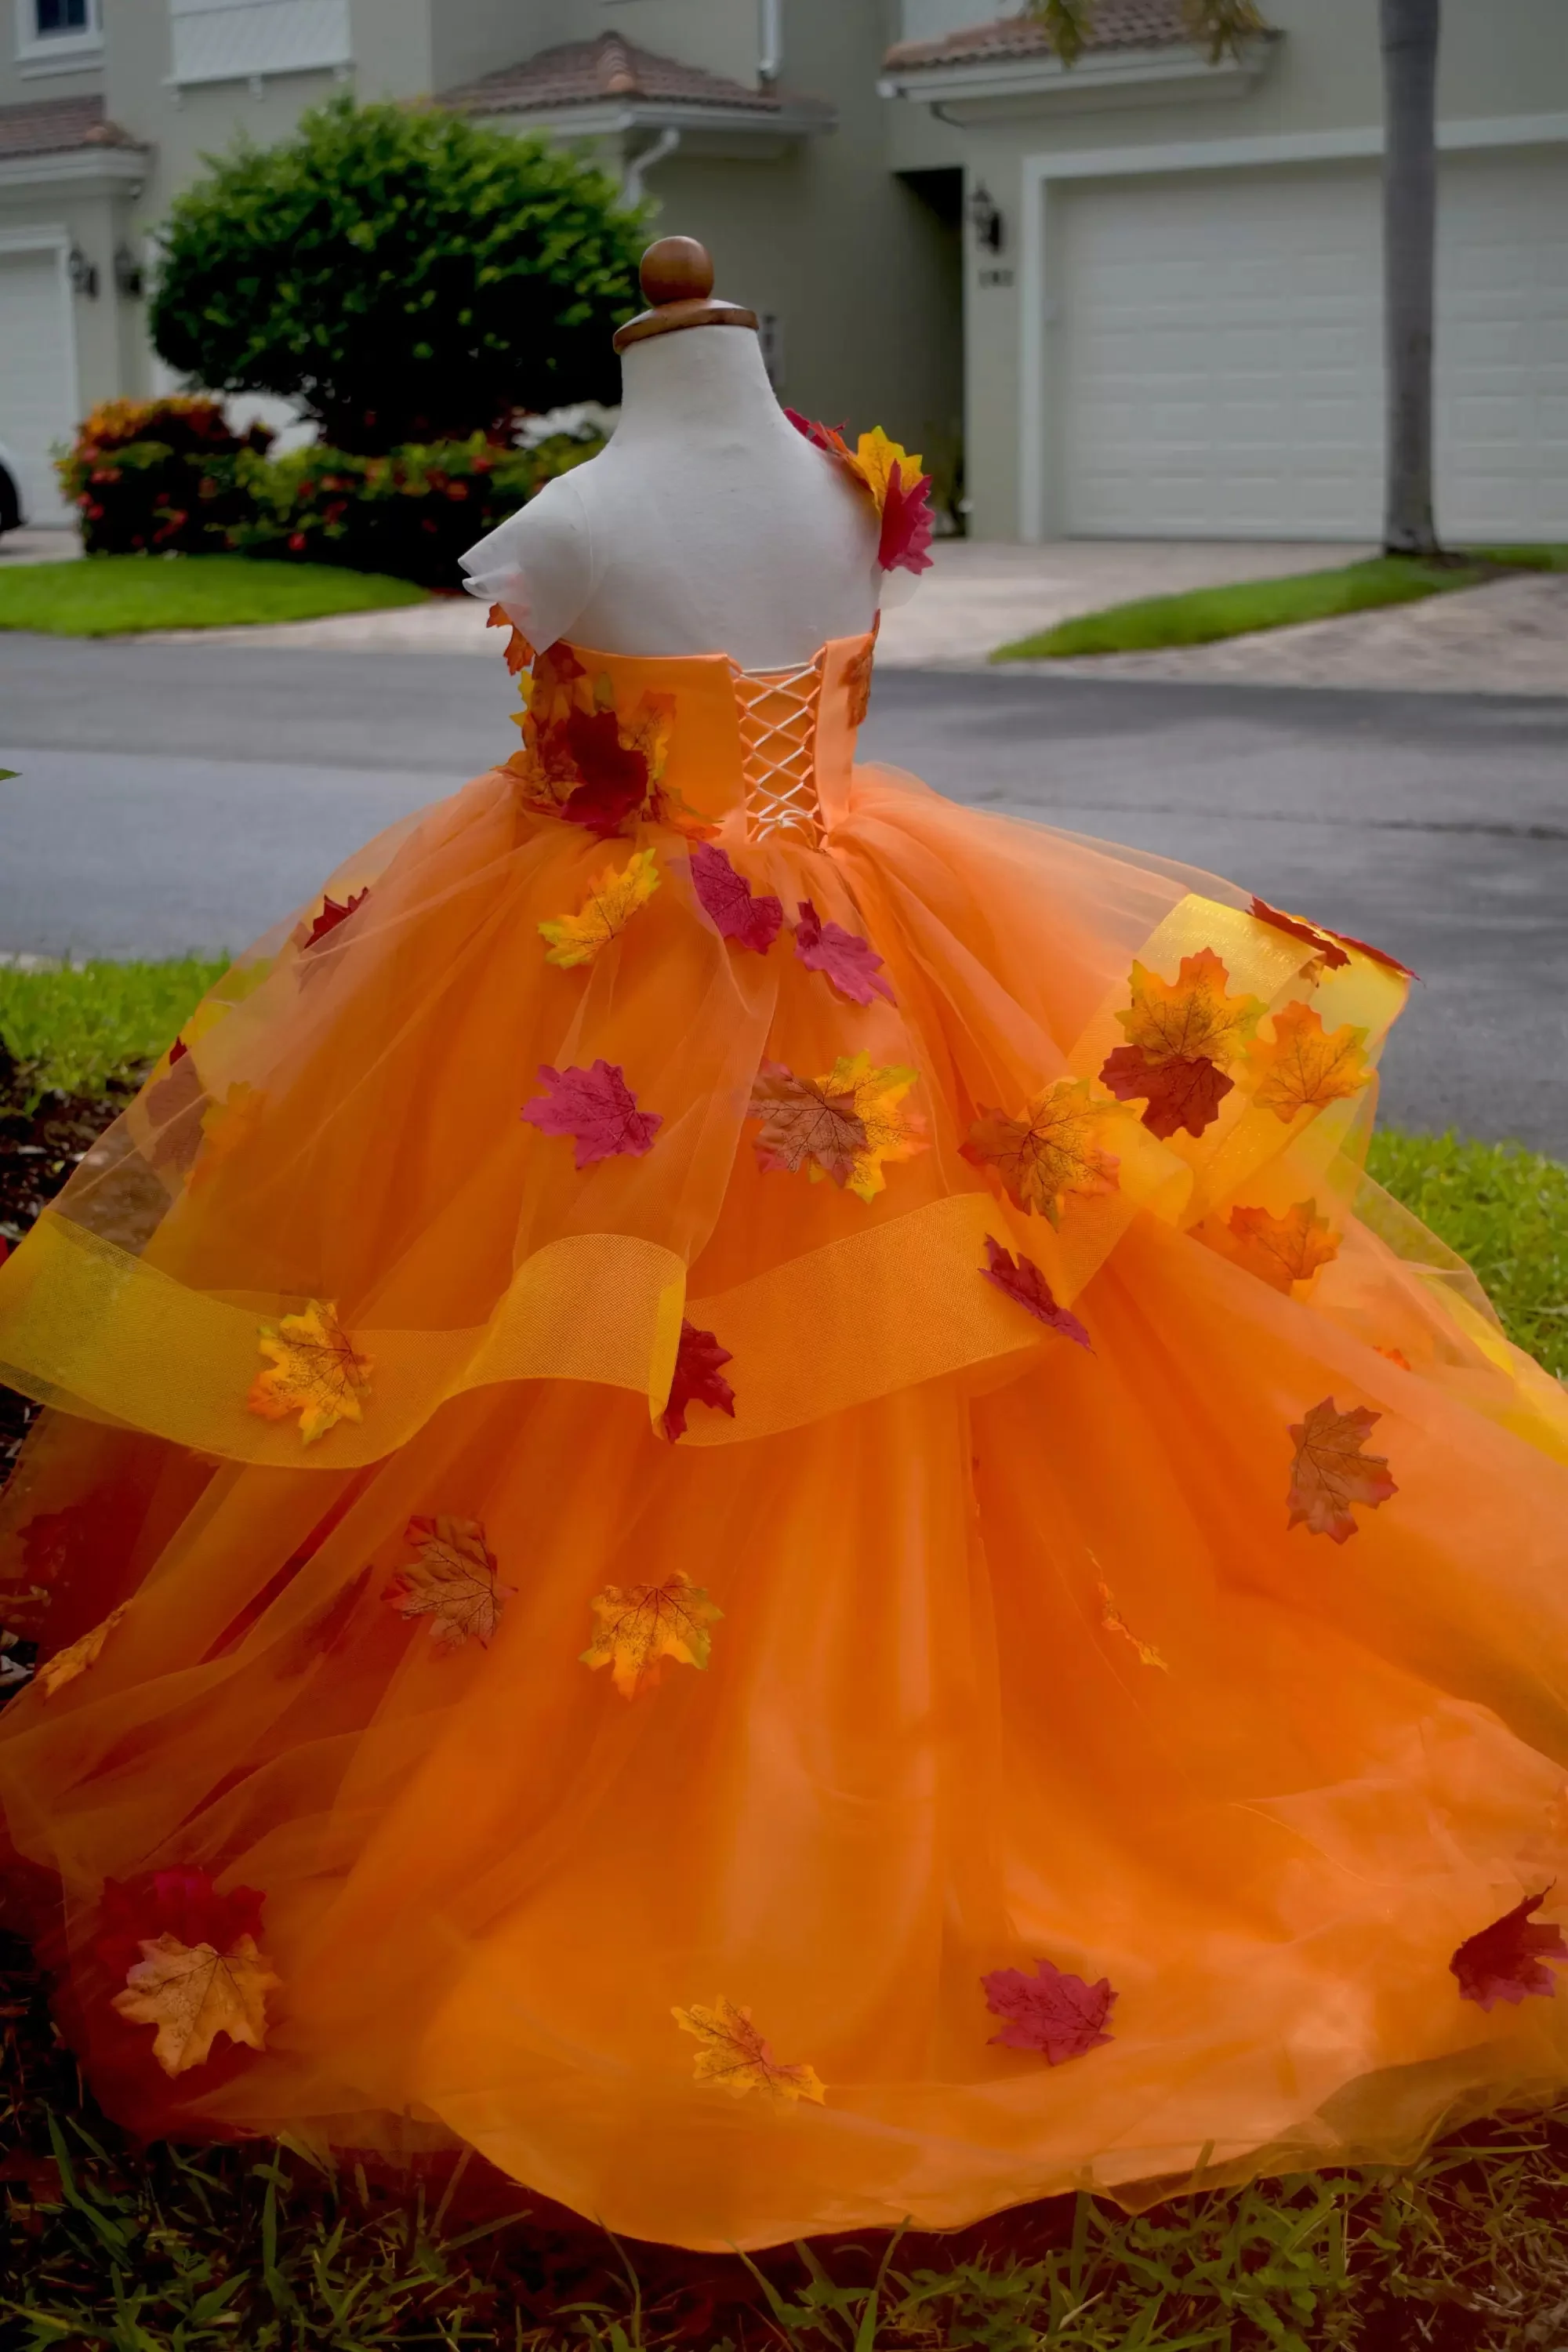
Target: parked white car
(12,516)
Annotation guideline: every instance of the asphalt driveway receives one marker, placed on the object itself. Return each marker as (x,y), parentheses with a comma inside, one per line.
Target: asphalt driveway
(179,796)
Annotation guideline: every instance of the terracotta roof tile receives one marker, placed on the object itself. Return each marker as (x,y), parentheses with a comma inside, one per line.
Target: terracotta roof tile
(52,126)
(1117,25)
(603,72)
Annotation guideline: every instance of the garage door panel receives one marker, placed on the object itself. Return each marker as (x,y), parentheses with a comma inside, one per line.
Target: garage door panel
(36,375)
(1220,359)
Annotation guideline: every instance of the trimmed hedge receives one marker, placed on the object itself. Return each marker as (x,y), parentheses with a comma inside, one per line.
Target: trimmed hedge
(169,476)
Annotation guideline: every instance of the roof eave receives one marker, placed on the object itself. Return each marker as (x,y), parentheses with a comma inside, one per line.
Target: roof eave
(802,119)
(123,169)
(1171,70)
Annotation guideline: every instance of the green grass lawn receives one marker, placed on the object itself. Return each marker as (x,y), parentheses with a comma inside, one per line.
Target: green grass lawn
(110,596)
(1199,617)
(168,2249)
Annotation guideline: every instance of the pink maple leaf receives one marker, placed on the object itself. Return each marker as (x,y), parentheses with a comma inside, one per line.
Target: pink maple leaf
(1024,1283)
(699,1380)
(906,524)
(852,964)
(727,897)
(1062,2016)
(1502,1962)
(597,1109)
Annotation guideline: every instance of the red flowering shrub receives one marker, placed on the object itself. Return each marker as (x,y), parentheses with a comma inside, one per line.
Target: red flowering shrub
(160,477)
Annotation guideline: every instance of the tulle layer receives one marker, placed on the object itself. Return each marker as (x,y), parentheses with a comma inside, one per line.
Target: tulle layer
(1013,1652)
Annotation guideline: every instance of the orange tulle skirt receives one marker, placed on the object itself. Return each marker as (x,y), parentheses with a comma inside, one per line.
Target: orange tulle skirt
(744,1501)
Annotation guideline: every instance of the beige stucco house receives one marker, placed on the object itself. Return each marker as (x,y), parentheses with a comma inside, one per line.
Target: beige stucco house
(1143,297)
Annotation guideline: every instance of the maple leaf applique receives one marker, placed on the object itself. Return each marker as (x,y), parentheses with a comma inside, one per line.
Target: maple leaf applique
(184,1904)
(1114,1622)
(1330,1473)
(1024,1283)
(699,1380)
(1281,1250)
(735,2058)
(316,1371)
(1304,1067)
(54,1673)
(889,1131)
(851,964)
(1059,2015)
(194,1994)
(1503,1962)
(1182,1035)
(806,1124)
(1049,1150)
(518,653)
(1330,945)
(640,1625)
(736,910)
(332,916)
(226,1128)
(597,1109)
(898,489)
(614,897)
(452,1582)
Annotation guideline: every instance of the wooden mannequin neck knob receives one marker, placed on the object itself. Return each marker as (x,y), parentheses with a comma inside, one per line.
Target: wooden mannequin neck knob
(677,280)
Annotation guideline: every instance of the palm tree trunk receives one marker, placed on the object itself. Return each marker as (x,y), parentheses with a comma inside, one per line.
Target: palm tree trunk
(1409,215)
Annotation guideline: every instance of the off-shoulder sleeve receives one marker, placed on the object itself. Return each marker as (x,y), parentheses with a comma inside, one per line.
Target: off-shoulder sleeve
(538,565)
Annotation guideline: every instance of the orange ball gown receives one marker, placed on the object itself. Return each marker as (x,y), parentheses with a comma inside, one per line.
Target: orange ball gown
(746,1502)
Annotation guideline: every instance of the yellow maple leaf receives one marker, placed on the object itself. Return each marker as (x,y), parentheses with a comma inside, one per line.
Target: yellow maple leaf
(68,1664)
(891,1133)
(453,1582)
(1191,1018)
(1114,1622)
(735,2058)
(192,1994)
(1281,1250)
(1049,1150)
(1305,1066)
(316,1371)
(639,1625)
(874,458)
(613,899)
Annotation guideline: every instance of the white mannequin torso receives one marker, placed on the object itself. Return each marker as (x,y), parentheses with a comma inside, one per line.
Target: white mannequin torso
(709,524)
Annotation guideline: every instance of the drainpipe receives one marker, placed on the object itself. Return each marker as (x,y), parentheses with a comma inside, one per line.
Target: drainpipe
(769,40)
(632,184)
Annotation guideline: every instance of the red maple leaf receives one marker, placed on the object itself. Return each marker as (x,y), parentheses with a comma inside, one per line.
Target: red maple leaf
(1502,1962)
(177,1051)
(597,1109)
(1023,1282)
(906,524)
(698,1380)
(1062,2016)
(728,898)
(331,916)
(828,438)
(1178,1093)
(851,964)
(614,775)
(178,1903)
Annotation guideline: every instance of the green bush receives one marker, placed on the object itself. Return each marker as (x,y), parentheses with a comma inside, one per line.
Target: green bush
(401,274)
(167,476)
(410,513)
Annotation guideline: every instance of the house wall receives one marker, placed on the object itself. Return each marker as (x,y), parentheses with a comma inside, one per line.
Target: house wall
(1508,58)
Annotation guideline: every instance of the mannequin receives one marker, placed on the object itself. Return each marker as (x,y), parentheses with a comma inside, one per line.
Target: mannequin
(709,524)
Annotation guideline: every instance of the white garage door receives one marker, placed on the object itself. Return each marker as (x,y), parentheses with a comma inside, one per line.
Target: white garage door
(37,374)
(1220,353)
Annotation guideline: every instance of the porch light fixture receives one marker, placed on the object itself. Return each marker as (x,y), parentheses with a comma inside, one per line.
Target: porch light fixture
(128,274)
(83,273)
(985,219)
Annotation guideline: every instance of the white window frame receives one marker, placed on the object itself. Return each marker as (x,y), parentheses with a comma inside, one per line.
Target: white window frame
(41,53)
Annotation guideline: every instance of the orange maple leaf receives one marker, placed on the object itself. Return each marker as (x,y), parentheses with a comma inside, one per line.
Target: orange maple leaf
(519,652)
(1305,1066)
(1330,1473)
(1281,1250)
(453,1582)
(192,1994)
(1190,1017)
(316,1371)
(66,1664)
(1049,1150)
(735,2058)
(640,1625)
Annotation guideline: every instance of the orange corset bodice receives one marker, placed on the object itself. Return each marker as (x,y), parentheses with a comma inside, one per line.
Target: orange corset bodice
(697,734)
